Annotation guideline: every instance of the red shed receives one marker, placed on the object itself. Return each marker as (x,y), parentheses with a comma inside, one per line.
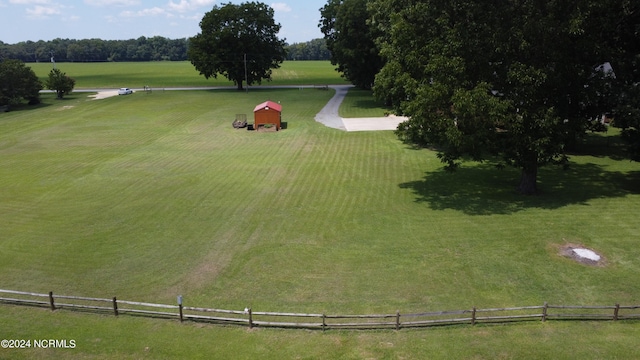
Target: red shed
(268,112)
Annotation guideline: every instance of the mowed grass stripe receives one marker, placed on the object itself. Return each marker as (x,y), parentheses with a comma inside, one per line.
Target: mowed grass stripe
(139,180)
(336,220)
(72,210)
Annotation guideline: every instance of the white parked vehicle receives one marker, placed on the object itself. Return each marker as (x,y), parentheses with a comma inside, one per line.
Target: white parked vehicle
(125,91)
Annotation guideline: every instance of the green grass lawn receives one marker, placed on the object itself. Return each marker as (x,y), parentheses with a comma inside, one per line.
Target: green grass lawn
(164,74)
(148,196)
(361,103)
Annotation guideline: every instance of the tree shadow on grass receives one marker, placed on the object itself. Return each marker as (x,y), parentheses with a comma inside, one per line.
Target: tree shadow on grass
(486,190)
(23,107)
(368,104)
(252,89)
(602,145)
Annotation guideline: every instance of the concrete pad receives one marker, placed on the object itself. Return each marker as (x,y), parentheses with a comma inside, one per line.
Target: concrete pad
(104,94)
(373,124)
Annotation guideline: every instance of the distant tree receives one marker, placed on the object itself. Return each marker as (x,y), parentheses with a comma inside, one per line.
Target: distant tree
(351,41)
(238,40)
(60,82)
(76,52)
(315,49)
(18,82)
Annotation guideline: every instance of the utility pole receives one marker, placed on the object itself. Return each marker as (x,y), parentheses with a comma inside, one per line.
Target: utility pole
(246,80)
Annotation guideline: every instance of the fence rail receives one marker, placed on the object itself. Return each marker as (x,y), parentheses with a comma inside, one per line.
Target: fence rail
(250,318)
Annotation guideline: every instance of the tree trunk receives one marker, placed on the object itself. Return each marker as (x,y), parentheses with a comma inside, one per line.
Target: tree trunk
(529,181)
(240,88)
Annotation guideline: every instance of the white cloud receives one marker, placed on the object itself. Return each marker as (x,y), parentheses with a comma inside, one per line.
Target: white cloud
(39,12)
(196,17)
(201,3)
(187,5)
(169,10)
(29,2)
(281,7)
(110,2)
(155,11)
(41,9)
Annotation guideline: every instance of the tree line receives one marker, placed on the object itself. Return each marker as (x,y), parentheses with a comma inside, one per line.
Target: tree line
(315,49)
(155,48)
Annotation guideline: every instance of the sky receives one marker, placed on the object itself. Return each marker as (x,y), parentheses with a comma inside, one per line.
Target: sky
(23,20)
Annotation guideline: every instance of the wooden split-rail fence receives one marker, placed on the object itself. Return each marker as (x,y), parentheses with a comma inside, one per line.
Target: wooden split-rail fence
(250,318)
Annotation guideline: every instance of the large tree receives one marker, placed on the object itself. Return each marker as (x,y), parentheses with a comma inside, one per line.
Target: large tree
(625,39)
(238,41)
(516,81)
(60,82)
(18,82)
(351,40)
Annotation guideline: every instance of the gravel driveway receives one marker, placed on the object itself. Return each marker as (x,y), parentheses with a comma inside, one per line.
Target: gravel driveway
(330,118)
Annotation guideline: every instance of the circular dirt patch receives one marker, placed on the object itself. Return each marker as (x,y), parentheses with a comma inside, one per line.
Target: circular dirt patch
(582,254)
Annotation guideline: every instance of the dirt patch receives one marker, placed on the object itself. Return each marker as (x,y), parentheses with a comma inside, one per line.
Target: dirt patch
(582,254)
(267,128)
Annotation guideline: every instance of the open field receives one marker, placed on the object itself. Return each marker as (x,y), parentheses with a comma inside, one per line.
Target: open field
(164,74)
(148,196)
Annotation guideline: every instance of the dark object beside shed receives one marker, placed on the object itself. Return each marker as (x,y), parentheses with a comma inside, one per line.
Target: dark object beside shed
(240,121)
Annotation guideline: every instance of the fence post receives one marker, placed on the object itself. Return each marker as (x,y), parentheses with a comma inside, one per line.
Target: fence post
(250,319)
(324,322)
(115,306)
(53,306)
(180,307)
(473,316)
(397,319)
(615,312)
(544,311)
